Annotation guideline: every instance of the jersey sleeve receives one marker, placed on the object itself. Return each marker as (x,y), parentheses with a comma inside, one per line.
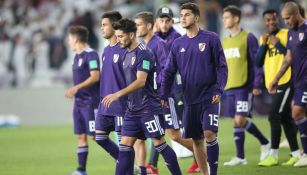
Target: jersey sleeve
(145,61)
(93,61)
(221,65)
(168,74)
(252,45)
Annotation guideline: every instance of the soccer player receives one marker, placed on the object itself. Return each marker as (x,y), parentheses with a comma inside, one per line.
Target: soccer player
(270,55)
(85,91)
(111,80)
(145,22)
(143,118)
(240,50)
(296,57)
(199,58)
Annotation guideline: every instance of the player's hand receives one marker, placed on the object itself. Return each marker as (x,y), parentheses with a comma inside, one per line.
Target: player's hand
(164,104)
(216,99)
(273,86)
(107,100)
(71,92)
(273,40)
(257,92)
(156,27)
(265,38)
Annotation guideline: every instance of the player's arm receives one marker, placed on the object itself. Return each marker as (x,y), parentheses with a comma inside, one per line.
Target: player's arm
(92,79)
(167,76)
(285,65)
(277,44)
(221,70)
(140,82)
(252,46)
(145,64)
(259,60)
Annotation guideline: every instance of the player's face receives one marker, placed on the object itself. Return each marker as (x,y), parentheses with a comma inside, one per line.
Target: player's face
(106,28)
(289,19)
(141,27)
(228,20)
(270,21)
(187,18)
(165,24)
(72,40)
(124,39)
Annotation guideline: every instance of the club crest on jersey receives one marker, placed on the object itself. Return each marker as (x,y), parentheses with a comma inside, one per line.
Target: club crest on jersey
(115,58)
(201,46)
(80,62)
(103,59)
(132,60)
(301,36)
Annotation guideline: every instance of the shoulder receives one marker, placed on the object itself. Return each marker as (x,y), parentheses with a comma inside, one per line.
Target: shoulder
(91,52)
(143,52)
(251,38)
(212,37)
(180,40)
(250,35)
(176,34)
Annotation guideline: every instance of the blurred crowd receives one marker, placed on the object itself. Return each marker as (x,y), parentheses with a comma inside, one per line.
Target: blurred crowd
(33,42)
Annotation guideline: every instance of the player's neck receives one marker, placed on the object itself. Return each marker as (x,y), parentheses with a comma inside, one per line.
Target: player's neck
(193,31)
(81,47)
(133,45)
(148,37)
(235,30)
(112,40)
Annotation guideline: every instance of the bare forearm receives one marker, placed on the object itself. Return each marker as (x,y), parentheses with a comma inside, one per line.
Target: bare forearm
(88,82)
(137,84)
(285,65)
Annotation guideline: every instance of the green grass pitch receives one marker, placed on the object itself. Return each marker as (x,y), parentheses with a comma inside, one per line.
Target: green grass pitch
(51,150)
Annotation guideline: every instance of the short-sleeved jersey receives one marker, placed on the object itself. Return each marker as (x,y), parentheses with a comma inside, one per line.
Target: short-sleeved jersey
(297,44)
(83,64)
(201,63)
(112,79)
(145,100)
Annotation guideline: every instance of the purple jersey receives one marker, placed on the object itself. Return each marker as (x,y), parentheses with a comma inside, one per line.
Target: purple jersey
(255,74)
(158,47)
(112,79)
(83,64)
(297,44)
(201,64)
(169,38)
(145,100)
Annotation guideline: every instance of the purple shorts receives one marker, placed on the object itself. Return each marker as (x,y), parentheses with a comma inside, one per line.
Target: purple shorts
(148,126)
(171,120)
(238,104)
(108,123)
(300,97)
(198,118)
(84,119)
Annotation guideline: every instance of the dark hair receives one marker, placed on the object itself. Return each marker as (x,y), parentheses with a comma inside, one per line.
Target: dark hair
(301,10)
(234,10)
(269,11)
(80,32)
(113,16)
(147,17)
(191,6)
(125,25)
